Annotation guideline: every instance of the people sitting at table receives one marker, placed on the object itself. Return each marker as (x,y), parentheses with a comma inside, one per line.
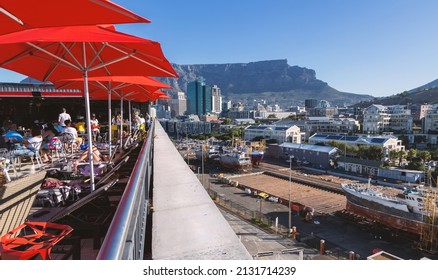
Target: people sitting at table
(28,147)
(68,129)
(48,134)
(12,135)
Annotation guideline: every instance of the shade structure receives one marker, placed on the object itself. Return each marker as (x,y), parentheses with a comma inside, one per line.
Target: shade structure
(16,15)
(131,88)
(56,53)
(161,95)
(117,85)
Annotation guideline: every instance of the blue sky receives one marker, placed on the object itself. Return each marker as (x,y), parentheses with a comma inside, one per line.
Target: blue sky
(361,46)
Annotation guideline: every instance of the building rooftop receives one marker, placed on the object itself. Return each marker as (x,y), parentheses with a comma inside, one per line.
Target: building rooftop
(379,140)
(307,147)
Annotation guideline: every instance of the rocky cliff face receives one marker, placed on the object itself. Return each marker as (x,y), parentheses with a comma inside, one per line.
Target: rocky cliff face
(268,78)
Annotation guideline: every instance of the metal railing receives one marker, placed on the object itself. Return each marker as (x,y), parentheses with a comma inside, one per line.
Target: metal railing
(125,239)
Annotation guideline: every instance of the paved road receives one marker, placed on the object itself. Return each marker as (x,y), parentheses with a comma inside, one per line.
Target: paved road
(342,234)
(267,246)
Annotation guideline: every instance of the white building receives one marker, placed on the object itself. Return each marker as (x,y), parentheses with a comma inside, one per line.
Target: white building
(178,104)
(431,120)
(270,132)
(323,125)
(216,100)
(379,118)
(387,143)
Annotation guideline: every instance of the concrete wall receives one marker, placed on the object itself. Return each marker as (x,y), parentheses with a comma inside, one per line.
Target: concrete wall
(186,222)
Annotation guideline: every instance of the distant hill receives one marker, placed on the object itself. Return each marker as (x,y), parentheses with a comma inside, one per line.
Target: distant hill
(427,93)
(431,85)
(272,80)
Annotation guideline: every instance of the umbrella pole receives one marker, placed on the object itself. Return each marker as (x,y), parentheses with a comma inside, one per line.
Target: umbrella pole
(121,122)
(109,123)
(130,119)
(89,132)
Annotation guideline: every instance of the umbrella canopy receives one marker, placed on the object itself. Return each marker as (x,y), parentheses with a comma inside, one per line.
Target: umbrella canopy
(131,88)
(56,53)
(161,95)
(117,85)
(18,15)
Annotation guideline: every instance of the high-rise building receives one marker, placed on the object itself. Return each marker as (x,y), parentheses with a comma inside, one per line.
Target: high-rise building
(216,100)
(178,104)
(310,103)
(226,105)
(198,97)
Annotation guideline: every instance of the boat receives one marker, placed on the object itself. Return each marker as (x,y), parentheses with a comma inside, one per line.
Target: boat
(208,153)
(256,157)
(257,154)
(405,209)
(235,160)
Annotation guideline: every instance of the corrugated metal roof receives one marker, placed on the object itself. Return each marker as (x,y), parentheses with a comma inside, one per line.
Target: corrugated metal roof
(355,139)
(307,147)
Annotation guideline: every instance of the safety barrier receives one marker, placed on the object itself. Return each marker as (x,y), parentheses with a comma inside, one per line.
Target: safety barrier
(125,239)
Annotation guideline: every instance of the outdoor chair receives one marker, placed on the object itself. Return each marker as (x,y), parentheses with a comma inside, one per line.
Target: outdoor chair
(56,147)
(19,152)
(5,163)
(36,148)
(103,137)
(70,142)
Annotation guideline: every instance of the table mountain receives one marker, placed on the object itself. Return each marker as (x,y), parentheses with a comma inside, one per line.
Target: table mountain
(273,80)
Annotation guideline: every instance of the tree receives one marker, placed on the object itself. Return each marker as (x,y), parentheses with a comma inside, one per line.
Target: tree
(393,156)
(412,153)
(434,154)
(258,138)
(401,156)
(375,153)
(424,156)
(227,121)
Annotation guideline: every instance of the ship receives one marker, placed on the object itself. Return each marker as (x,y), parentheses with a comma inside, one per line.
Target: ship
(256,157)
(235,160)
(257,154)
(406,210)
(207,153)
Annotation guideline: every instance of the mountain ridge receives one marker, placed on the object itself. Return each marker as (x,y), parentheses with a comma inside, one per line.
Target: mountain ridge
(272,79)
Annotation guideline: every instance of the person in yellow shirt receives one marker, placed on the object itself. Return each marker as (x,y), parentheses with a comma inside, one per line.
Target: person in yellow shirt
(80,125)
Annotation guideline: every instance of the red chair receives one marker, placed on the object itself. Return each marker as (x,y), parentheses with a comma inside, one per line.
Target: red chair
(32,240)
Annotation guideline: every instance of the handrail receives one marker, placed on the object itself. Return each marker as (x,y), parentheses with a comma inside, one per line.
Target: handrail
(125,236)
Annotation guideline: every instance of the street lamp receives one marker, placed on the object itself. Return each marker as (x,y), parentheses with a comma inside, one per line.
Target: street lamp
(290,185)
(345,152)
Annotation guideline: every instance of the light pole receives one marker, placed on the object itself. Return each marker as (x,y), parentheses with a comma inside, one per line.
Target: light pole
(202,163)
(290,186)
(345,152)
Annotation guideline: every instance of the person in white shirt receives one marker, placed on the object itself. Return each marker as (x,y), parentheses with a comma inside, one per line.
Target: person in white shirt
(71,130)
(63,117)
(94,127)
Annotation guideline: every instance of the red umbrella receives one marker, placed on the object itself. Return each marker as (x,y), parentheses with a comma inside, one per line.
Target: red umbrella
(18,15)
(56,53)
(161,95)
(131,88)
